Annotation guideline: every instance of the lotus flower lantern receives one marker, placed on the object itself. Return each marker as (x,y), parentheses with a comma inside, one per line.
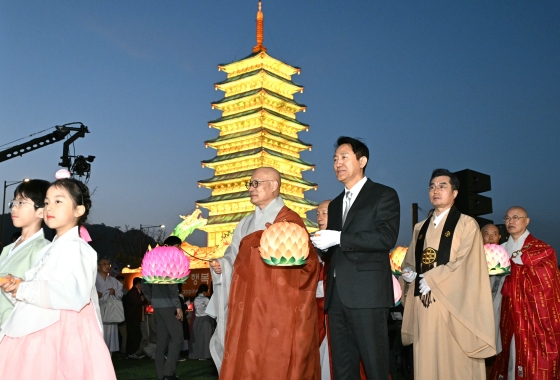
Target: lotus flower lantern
(497,259)
(284,244)
(397,291)
(396,257)
(165,265)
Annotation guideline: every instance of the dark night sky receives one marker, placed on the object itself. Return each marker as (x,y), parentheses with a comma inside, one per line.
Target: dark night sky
(425,84)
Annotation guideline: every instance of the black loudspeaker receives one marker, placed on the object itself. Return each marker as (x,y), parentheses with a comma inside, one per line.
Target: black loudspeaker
(469,201)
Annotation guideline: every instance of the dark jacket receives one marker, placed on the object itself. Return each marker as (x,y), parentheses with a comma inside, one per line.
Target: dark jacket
(361,261)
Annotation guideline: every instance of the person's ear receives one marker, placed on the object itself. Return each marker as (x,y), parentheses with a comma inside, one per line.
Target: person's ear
(80,210)
(363,162)
(40,212)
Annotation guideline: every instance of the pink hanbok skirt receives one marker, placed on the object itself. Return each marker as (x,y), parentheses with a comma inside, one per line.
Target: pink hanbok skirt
(72,348)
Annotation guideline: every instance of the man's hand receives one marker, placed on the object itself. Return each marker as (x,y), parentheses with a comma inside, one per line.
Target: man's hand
(408,274)
(179,315)
(423,286)
(99,295)
(215,265)
(325,239)
(112,291)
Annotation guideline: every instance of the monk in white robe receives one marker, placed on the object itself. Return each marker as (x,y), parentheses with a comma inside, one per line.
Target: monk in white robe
(108,286)
(448,314)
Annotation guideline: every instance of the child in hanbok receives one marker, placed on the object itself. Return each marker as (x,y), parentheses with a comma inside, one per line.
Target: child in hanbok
(55,330)
(26,210)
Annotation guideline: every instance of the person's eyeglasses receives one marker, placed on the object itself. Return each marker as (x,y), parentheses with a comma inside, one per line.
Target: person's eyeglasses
(439,186)
(15,203)
(514,218)
(256,183)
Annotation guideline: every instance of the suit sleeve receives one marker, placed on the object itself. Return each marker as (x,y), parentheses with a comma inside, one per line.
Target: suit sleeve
(382,234)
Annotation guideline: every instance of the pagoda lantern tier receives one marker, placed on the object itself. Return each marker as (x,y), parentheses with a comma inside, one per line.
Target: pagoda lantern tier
(258,128)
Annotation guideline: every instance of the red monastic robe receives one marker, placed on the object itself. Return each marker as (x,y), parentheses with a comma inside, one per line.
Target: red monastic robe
(531,311)
(271,331)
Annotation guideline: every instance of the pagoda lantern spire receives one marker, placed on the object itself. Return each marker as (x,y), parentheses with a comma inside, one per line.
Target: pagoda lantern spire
(260,30)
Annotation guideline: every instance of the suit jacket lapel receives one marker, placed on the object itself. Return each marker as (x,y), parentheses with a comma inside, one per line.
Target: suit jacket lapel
(335,213)
(362,197)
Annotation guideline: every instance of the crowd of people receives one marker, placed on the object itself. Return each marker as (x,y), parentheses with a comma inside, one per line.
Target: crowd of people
(325,319)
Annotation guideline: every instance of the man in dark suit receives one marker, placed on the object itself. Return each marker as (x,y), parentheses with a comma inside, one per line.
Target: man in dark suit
(362,228)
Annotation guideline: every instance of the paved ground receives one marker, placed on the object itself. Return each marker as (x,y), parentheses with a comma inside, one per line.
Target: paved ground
(145,369)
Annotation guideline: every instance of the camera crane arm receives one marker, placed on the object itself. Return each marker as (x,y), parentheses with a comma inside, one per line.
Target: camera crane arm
(59,134)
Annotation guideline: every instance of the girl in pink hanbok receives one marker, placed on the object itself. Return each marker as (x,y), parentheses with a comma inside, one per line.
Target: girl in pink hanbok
(55,330)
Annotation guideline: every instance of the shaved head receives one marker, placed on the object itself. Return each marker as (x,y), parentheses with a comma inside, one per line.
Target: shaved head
(268,186)
(516,220)
(518,208)
(490,234)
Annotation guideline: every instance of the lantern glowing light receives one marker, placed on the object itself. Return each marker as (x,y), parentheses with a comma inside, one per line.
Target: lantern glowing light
(165,265)
(284,244)
(396,257)
(397,290)
(497,259)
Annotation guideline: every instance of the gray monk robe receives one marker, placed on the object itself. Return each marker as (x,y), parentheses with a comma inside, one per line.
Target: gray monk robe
(454,334)
(218,305)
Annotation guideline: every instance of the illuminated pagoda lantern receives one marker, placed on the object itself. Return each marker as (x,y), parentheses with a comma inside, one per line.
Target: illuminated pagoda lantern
(258,127)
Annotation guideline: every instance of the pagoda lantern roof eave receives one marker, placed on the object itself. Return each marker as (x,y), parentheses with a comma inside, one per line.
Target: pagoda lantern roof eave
(215,123)
(246,174)
(255,131)
(253,152)
(255,72)
(248,94)
(226,67)
(223,198)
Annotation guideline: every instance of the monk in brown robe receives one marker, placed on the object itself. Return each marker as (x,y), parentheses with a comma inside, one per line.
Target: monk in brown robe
(530,315)
(448,314)
(271,331)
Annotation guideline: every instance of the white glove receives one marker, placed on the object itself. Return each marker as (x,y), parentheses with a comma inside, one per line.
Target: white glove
(408,274)
(423,286)
(325,239)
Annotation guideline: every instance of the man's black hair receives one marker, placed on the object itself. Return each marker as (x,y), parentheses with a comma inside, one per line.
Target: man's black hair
(359,148)
(453,180)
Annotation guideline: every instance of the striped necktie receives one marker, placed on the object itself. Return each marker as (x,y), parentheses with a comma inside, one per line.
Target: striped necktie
(347,199)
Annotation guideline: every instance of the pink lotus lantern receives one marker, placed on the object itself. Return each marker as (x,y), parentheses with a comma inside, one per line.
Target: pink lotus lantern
(396,257)
(497,259)
(165,265)
(284,244)
(397,291)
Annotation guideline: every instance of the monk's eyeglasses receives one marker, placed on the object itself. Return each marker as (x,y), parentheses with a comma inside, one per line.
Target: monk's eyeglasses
(514,218)
(256,183)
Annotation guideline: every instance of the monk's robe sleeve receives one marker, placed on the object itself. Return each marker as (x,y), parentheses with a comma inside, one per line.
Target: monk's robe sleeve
(409,316)
(463,288)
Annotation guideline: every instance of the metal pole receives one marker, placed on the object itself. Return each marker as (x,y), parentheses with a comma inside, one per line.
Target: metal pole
(3,211)
(414,214)
(140,240)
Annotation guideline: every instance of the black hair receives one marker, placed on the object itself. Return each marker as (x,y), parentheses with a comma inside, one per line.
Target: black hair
(79,194)
(453,180)
(34,189)
(202,289)
(358,147)
(136,281)
(172,241)
(100,259)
